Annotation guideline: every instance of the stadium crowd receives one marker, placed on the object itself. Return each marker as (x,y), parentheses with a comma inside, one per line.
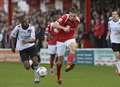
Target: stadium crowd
(97,33)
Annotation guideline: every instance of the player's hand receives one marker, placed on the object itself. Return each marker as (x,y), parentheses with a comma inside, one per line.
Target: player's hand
(56,30)
(24,41)
(28,41)
(67,29)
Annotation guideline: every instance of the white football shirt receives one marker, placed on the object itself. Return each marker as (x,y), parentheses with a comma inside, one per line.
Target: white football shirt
(23,34)
(114,28)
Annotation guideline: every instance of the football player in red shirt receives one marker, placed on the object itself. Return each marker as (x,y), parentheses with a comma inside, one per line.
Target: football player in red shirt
(67,26)
(51,38)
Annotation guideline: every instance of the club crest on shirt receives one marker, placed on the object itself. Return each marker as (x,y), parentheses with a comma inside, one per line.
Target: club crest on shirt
(29,31)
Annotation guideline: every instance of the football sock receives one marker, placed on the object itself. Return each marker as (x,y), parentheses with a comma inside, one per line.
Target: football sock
(30,62)
(59,66)
(70,58)
(35,69)
(118,65)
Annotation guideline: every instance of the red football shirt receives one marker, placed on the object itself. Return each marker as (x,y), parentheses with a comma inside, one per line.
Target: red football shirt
(64,21)
(52,36)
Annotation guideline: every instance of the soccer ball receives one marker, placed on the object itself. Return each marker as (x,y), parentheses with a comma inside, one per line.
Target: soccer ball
(42,71)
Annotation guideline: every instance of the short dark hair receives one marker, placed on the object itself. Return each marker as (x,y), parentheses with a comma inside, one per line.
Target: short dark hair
(115,10)
(23,18)
(72,10)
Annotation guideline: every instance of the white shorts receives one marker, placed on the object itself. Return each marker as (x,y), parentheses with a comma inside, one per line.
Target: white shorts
(61,46)
(52,49)
(70,41)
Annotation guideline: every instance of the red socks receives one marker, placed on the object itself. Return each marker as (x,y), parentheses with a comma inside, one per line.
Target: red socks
(59,66)
(70,58)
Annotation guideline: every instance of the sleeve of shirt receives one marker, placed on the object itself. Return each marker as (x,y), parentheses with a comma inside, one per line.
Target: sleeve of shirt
(14,32)
(62,19)
(33,33)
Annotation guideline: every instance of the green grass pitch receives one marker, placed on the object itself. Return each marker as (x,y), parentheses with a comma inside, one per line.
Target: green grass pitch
(14,75)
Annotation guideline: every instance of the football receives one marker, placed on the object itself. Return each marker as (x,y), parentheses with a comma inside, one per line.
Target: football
(43,71)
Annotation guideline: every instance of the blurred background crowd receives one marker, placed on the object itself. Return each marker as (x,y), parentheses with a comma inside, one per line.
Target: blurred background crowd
(41,12)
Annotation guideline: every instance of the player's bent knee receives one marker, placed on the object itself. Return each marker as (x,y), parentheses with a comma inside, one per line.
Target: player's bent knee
(27,65)
(35,60)
(39,59)
(60,60)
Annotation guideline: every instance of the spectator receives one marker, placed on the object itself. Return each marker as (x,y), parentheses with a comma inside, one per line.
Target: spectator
(99,31)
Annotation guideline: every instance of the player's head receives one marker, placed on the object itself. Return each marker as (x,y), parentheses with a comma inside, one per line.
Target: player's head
(73,13)
(24,21)
(115,15)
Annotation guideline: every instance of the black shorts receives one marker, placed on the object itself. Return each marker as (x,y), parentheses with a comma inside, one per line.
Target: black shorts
(28,53)
(116,47)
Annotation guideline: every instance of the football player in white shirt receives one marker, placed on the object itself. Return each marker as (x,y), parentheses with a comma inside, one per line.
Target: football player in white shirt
(114,34)
(25,35)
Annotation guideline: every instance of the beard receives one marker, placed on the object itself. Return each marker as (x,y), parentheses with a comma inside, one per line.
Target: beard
(25,26)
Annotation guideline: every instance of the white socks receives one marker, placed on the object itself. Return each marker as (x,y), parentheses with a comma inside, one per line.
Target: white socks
(36,73)
(30,62)
(118,65)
